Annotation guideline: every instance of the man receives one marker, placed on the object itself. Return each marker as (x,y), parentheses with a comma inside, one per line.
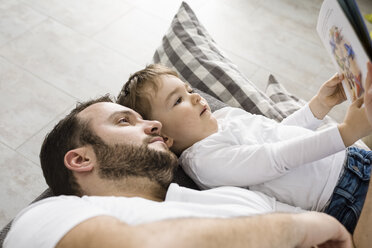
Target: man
(118,170)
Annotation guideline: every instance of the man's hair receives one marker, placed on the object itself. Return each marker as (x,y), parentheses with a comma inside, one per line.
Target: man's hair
(132,94)
(70,133)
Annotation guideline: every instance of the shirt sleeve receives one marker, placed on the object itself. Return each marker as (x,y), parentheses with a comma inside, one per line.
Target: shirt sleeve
(285,208)
(246,165)
(303,117)
(43,224)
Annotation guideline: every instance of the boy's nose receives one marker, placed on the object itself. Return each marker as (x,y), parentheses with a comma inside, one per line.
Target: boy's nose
(195,98)
(152,127)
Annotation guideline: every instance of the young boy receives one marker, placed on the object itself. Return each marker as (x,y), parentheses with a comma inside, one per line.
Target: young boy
(288,160)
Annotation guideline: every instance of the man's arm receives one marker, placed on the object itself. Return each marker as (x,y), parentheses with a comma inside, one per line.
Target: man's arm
(274,230)
(363,231)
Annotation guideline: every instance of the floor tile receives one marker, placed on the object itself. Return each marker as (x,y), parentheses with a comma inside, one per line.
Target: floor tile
(16,18)
(166,9)
(31,148)
(365,7)
(297,17)
(132,31)
(69,61)
(220,16)
(26,104)
(84,16)
(21,181)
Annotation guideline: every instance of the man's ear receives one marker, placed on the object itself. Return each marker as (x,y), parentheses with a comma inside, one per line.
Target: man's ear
(167,140)
(80,159)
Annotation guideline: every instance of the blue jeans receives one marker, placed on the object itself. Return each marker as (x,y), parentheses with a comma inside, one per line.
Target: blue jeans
(350,192)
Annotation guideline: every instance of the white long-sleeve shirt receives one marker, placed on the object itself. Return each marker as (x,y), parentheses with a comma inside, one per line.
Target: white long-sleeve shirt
(288,160)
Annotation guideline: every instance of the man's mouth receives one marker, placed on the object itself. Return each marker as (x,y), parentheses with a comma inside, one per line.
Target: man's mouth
(203,111)
(155,139)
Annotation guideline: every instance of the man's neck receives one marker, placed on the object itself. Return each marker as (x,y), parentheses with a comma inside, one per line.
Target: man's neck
(129,187)
(142,187)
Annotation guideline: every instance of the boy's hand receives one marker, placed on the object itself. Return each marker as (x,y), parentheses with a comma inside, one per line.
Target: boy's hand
(368,93)
(330,94)
(355,125)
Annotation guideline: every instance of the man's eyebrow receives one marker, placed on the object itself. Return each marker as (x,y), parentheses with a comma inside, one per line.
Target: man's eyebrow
(123,112)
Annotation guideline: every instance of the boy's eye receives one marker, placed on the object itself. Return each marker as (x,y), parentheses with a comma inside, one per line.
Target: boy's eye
(123,120)
(191,91)
(179,100)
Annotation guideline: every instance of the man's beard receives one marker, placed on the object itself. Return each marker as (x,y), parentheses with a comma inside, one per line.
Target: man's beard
(122,160)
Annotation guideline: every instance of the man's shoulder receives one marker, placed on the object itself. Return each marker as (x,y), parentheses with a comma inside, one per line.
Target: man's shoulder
(46,221)
(49,206)
(48,201)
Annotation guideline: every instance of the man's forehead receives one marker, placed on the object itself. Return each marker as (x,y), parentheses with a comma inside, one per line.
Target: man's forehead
(104,110)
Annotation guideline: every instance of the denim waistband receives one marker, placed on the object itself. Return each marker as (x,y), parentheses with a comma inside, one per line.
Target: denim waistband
(342,172)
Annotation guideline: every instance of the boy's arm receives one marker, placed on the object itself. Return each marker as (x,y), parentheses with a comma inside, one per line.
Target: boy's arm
(355,125)
(368,93)
(362,234)
(329,95)
(303,117)
(250,164)
(273,230)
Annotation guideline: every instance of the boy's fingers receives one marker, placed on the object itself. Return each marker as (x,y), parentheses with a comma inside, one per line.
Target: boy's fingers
(340,76)
(343,93)
(359,102)
(335,79)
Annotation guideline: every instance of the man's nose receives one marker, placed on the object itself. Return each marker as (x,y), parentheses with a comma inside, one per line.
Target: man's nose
(195,98)
(152,127)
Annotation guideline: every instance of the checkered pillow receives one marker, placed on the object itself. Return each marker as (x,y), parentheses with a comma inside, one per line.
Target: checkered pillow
(188,48)
(285,101)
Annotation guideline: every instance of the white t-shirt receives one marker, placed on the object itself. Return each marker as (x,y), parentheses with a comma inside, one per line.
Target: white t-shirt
(44,223)
(288,160)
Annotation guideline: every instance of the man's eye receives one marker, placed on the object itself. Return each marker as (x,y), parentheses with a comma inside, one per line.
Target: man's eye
(191,91)
(179,100)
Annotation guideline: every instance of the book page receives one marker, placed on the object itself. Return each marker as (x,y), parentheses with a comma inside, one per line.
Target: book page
(344,47)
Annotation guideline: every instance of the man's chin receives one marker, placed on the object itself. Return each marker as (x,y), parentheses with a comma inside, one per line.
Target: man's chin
(162,148)
(158,146)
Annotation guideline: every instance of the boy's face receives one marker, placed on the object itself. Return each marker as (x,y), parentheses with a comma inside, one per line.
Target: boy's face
(186,116)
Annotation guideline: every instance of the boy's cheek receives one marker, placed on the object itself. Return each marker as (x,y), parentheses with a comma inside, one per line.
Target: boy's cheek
(168,141)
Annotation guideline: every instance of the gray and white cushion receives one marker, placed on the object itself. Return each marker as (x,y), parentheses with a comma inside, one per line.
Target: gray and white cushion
(190,50)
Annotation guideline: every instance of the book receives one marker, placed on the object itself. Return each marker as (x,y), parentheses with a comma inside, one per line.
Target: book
(346,38)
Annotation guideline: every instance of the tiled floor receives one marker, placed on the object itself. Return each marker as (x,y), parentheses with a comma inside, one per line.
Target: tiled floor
(53,53)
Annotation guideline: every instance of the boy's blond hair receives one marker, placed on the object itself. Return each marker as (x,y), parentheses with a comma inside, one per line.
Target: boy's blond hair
(133,96)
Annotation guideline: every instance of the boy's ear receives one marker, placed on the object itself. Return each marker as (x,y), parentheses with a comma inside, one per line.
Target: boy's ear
(80,159)
(167,140)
